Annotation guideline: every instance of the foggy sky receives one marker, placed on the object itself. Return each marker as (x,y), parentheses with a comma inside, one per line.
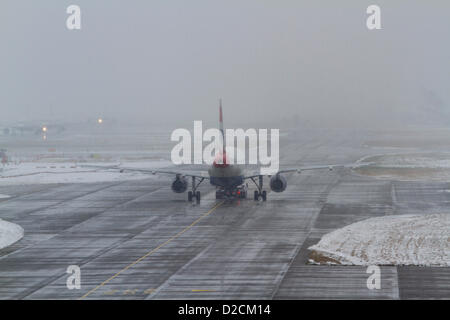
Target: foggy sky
(268,60)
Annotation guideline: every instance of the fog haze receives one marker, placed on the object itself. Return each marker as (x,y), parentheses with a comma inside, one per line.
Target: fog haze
(170,61)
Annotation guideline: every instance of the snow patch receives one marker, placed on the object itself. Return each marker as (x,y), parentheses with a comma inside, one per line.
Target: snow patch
(42,173)
(4,196)
(389,240)
(437,161)
(9,233)
(407,160)
(406,167)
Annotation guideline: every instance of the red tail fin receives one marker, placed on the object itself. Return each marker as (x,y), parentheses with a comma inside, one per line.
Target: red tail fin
(222,130)
(221,124)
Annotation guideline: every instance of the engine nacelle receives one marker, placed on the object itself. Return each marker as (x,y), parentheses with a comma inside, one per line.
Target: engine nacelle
(179,185)
(278,183)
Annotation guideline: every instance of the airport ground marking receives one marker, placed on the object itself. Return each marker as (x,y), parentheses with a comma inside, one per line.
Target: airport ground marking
(152,251)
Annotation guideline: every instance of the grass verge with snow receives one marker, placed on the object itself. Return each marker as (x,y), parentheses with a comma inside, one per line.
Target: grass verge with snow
(9,233)
(390,240)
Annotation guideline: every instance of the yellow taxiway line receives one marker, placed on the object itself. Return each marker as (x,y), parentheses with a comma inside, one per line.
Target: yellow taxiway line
(152,251)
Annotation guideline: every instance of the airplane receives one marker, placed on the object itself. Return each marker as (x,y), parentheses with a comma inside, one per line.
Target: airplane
(229,179)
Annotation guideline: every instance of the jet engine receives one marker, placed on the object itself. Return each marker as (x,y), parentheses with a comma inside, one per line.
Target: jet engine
(179,185)
(278,183)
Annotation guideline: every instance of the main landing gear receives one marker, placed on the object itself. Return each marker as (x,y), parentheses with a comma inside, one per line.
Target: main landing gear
(194,193)
(260,193)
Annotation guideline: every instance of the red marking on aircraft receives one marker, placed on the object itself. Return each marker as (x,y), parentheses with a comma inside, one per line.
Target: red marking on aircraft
(221,161)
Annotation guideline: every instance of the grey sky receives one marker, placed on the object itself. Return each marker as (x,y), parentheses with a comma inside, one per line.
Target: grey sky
(161,60)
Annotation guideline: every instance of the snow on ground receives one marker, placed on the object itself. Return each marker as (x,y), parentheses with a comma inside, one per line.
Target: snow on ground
(407,167)
(413,160)
(388,240)
(9,233)
(41,172)
(4,196)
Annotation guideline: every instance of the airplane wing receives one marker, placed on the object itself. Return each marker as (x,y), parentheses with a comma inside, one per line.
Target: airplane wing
(305,168)
(202,175)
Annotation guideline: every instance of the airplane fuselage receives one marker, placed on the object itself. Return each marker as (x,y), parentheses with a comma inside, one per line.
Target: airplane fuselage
(226,176)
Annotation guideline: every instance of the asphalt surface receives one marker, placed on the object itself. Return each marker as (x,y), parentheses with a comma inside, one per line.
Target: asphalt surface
(139,240)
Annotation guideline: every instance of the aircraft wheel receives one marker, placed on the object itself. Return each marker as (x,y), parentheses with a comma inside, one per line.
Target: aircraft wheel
(264,195)
(256,196)
(190,196)
(197,196)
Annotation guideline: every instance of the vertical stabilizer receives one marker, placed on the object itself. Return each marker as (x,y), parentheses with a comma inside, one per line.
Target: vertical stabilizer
(221,125)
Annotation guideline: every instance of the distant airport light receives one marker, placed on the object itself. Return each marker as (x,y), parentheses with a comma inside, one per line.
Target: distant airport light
(100,120)
(44,129)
